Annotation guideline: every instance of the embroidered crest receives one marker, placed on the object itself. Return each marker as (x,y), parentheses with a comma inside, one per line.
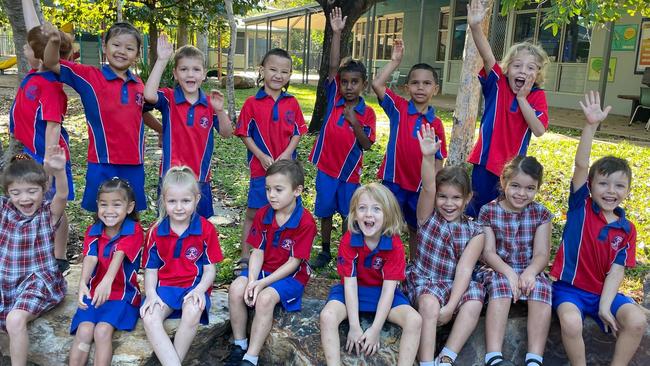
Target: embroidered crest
(616,242)
(290,117)
(192,253)
(32,92)
(378,263)
(287,244)
(139,99)
(204,122)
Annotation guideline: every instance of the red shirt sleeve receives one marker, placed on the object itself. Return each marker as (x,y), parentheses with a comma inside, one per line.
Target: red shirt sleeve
(301,127)
(131,245)
(149,241)
(396,262)
(304,237)
(439,130)
(627,257)
(256,236)
(245,117)
(54,102)
(371,122)
(86,249)
(213,250)
(346,263)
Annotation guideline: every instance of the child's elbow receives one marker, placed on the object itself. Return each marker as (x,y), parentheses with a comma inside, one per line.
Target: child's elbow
(539,132)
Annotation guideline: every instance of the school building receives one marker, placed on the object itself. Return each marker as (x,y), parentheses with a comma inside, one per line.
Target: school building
(434,32)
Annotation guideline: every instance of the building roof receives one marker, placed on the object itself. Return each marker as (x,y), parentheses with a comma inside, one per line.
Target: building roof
(312,8)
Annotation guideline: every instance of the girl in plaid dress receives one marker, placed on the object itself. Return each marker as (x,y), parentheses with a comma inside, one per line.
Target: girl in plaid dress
(439,280)
(31,282)
(517,248)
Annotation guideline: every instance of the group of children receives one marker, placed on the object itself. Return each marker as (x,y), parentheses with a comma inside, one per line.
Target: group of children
(456,263)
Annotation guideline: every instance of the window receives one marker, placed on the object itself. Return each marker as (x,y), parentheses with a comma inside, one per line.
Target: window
(359,46)
(443,30)
(459,29)
(387,29)
(576,43)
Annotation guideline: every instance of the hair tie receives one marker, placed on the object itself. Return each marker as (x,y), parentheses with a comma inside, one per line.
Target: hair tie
(20,156)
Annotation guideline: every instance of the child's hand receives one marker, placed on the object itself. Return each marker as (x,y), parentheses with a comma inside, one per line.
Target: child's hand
(164,49)
(527,282)
(354,340)
(370,340)
(592,110)
(102,292)
(196,297)
(284,156)
(150,303)
(84,293)
(513,279)
(350,115)
(217,100)
(475,12)
(429,144)
(526,88)
(445,315)
(609,321)
(252,290)
(398,51)
(54,160)
(266,161)
(337,20)
(50,31)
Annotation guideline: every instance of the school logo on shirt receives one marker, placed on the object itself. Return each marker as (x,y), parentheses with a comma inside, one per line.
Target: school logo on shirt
(287,244)
(204,122)
(139,99)
(616,242)
(290,117)
(32,92)
(378,263)
(192,253)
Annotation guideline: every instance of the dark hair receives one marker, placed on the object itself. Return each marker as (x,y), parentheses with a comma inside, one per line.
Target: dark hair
(119,28)
(523,164)
(608,165)
(188,51)
(290,168)
(273,52)
(455,176)
(117,184)
(351,65)
(37,42)
(22,168)
(423,66)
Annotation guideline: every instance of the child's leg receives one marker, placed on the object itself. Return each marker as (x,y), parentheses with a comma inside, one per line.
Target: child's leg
(81,344)
(539,321)
(103,344)
(18,339)
(326,233)
(411,322)
(237,307)
(632,325)
(429,309)
(413,245)
(61,239)
(331,317)
(495,323)
(264,305)
(187,328)
(464,325)
(248,222)
(160,342)
(571,327)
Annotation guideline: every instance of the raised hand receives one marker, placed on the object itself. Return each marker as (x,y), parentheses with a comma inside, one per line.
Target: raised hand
(592,110)
(54,159)
(429,144)
(217,100)
(164,49)
(398,50)
(475,12)
(50,31)
(337,20)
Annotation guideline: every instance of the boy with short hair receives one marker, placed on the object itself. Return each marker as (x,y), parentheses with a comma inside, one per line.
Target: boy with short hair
(598,242)
(348,129)
(400,169)
(188,116)
(281,236)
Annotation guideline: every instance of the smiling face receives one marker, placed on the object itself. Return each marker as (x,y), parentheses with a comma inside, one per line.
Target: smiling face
(189,73)
(369,216)
(279,192)
(112,209)
(519,191)
(180,203)
(121,51)
(523,65)
(608,191)
(276,72)
(450,202)
(27,197)
(421,86)
(352,84)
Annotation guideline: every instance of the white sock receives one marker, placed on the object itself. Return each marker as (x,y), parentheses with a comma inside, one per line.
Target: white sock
(532,356)
(252,359)
(490,355)
(426,363)
(449,353)
(242,343)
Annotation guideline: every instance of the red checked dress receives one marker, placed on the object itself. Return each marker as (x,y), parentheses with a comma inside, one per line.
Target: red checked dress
(29,276)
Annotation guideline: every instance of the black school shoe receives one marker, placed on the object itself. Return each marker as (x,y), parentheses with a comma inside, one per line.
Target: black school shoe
(63,265)
(321,260)
(500,362)
(235,357)
(246,363)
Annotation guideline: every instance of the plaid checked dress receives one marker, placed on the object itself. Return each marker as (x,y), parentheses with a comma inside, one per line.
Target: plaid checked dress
(514,233)
(28,273)
(440,246)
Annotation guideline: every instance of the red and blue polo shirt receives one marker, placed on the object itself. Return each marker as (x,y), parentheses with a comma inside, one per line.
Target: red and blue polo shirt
(293,239)
(113,109)
(188,137)
(271,124)
(403,158)
(180,259)
(130,240)
(371,267)
(40,99)
(590,245)
(337,152)
(504,132)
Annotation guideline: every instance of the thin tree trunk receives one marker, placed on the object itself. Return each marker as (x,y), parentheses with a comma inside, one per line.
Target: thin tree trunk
(182,33)
(468,98)
(202,44)
(230,69)
(119,10)
(14,11)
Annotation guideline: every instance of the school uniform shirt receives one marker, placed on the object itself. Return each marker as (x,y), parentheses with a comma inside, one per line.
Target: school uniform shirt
(279,243)
(188,131)
(403,158)
(40,99)
(337,152)
(113,109)
(130,240)
(180,259)
(371,267)
(590,245)
(504,132)
(271,124)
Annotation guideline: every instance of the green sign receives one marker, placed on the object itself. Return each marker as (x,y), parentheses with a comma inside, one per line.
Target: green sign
(625,36)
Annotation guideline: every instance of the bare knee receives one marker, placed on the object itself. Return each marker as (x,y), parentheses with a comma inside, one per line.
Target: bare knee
(429,308)
(634,320)
(103,334)
(265,302)
(151,320)
(236,290)
(570,323)
(191,315)
(16,323)
(329,317)
(85,332)
(413,321)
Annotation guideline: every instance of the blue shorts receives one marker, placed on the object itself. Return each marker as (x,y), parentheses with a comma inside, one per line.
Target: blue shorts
(257,193)
(332,195)
(408,202)
(173,297)
(485,188)
(368,297)
(97,173)
(68,173)
(586,302)
(204,208)
(120,314)
(288,288)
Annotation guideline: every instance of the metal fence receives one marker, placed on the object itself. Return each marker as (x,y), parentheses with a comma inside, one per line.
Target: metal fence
(7,45)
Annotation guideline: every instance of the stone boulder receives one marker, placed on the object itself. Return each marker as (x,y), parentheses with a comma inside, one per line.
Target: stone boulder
(241,82)
(50,340)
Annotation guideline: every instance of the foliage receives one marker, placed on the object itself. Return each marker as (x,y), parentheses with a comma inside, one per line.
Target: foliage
(167,78)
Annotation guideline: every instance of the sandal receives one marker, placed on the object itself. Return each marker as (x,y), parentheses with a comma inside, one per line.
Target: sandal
(444,361)
(500,361)
(240,265)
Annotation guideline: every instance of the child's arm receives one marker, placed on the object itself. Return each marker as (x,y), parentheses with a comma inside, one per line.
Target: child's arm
(462,277)
(54,164)
(534,124)
(197,295)
(225,124)
(594,115)
(610,289)
(255,263)
(475,14)
(351,293)
(428,146)
(379,84)
(51,59)
(152,299)
(359,133)
(541,256)
(370,337)
(293,144)
(266,160)
(165,51)
(29,15)
(337,22)
(256,286)
(103,290)
(87,269)
(493,260)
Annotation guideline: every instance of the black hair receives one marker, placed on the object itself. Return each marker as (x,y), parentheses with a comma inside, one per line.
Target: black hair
(273,52)
(351,65)
(123,28)
(608,165)
(423,66)
(22,168)
(117,184)
(290,168)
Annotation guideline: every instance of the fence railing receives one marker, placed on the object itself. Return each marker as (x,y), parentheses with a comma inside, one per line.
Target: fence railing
(7,45)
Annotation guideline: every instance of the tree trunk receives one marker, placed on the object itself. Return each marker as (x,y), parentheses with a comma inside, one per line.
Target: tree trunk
(182,32)
(202,44)
(230,69)
(119,10)
(353,10)
(14,11)
(153,33)
(468,98)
